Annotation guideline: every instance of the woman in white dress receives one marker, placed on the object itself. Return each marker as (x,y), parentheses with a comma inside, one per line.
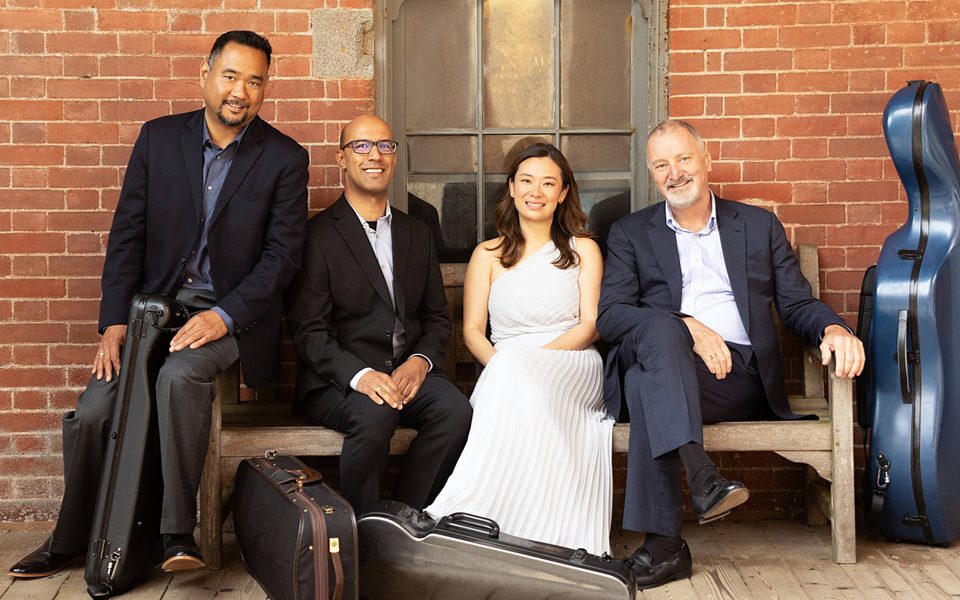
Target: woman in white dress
(538,459)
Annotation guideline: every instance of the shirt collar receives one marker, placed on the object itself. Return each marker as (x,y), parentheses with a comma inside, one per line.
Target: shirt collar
(206,134)
(387,218)
(708,229)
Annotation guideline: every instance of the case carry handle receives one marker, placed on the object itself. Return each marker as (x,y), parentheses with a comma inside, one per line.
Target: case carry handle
(472,523)
(903,324)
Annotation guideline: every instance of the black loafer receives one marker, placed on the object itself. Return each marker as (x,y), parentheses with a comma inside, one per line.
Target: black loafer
(41,563)
(678,566)
(719,499)
(180,554)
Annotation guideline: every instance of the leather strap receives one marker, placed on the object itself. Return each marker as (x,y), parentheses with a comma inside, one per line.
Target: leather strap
(338,573)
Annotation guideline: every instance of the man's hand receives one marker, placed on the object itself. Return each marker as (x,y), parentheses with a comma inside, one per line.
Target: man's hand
(380,388)
(847,348)
(107,361)
(710,347)
(409,376)
(202,328)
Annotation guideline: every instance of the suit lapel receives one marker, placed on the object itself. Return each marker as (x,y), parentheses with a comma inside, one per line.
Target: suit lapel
(247,154)
(733,240)
(191,141)
(401,249)
(664,243)
(348,226)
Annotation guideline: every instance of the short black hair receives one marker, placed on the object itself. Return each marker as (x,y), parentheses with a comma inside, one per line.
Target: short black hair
(242,37)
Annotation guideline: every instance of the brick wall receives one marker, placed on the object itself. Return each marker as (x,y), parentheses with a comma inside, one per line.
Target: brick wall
(789,93)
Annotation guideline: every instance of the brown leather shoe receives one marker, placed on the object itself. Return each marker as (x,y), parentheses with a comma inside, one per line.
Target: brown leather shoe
(180,554)
(41,563)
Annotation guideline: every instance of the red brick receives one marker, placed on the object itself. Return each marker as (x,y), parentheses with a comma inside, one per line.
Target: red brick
(938,54)
(758,60)
(30,20)
(759,170)
(811,59)
(812,214)
(82,199)
(30,288)
(943,32)
(26,355)
(21,154)
(764,37)
(931,10)
(860,170)
(195,44)
(79,20)
(178,90)
(68,177)
(680,84)
(82,43)
(291,44)
(261,21)
(814,12)
(759,83)
(84,243)
(867,81)
(712,129)
(291,66)
(765,104)
(864,191)
(755,149)
(83,133)
(894,213)
(80,111)
(819,36)
(28,43)
(870,11)
(808,148)
(20,243)
(753,16)
(80,266)
(810,170)
(33,65)
(815,126)
(28,221)
(82,155)
(28,133)
(842,235)
(858,147)
(29,266)
(867,57)
(81,66)
(293,22)
(813,82)
(765,127)
(89,88)
(126,20)
(185,22)
(704,39)
(812,104)
(682,107)
(73,310)
(83,288)
(30,198)
(859,103)
(869,34)
(79,221)
(28,177)
(29,421)
(863,214)
(136,43)
(725,172)
(905,33)
(767,192)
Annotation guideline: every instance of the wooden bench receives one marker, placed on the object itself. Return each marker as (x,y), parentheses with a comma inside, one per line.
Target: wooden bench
(244,430)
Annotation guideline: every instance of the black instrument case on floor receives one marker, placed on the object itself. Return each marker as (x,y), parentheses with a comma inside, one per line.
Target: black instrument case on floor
(126,527)
(407,555)
(296,535)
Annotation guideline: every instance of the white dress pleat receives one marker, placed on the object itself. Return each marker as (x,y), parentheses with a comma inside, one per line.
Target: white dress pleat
(538,459)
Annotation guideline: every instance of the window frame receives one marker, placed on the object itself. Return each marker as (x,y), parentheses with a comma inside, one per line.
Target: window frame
(648,89)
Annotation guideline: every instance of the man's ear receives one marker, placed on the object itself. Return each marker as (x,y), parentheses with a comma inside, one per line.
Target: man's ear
(204,71)
(341,160)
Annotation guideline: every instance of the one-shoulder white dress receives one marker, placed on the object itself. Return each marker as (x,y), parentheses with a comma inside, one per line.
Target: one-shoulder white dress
(538,458)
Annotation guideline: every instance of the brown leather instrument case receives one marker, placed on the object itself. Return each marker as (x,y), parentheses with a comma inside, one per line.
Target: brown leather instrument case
(297,536)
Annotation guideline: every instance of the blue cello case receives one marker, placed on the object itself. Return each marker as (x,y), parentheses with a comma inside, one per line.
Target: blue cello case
(913,391)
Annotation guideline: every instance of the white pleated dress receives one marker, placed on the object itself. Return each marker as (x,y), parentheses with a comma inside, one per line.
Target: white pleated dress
(538,458)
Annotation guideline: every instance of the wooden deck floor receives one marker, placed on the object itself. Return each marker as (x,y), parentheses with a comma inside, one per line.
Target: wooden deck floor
(752,559)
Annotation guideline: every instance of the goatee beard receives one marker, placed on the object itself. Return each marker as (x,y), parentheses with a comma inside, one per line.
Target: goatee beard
(227,121)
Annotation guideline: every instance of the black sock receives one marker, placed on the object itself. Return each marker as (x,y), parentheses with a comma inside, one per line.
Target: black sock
(177,539)
(661,547)
(700,470)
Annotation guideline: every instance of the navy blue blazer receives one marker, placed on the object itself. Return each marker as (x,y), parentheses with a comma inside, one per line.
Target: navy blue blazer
(256,231)
(642,272)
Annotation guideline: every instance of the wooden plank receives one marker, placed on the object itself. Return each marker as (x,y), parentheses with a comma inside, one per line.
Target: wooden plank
(310,441)
(806,552)
(923,569)
(842,503)
(152,589)
(238,584)
(194,585)
(45,588)
(875,577)
(718,578)
(73,587)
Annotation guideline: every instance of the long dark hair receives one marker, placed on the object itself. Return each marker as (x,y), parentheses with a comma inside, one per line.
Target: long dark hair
(568,219)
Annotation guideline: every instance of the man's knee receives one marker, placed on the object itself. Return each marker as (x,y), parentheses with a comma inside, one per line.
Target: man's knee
(95,405)
(372,425)
(180,368)
(660,329)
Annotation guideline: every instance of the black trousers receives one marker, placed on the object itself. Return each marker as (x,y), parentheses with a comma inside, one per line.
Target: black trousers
(670,395)
(184,392)
(440,414)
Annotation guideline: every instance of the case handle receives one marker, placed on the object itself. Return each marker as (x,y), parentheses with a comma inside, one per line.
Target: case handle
(472,523)
(903,324)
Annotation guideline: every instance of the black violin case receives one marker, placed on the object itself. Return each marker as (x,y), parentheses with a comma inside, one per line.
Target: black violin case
(912,393)
(407,555)
(124,540)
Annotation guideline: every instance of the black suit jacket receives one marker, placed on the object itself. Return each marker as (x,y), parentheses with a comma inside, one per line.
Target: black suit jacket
(339,309)
(642,272)
(256,231)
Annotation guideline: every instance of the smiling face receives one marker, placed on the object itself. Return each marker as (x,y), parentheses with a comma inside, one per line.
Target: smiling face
(537,189)
(233,86)
(366,174)
(679,164)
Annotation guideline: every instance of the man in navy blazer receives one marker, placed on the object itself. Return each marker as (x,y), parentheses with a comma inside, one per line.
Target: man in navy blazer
(686,305)
(212,211)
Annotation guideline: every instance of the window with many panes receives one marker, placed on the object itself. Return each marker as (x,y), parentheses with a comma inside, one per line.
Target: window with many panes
(466,83)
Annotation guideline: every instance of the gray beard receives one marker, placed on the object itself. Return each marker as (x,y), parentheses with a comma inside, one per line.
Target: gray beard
(228,122)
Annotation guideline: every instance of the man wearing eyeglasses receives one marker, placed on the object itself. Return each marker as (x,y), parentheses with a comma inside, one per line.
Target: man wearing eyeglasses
(369,319)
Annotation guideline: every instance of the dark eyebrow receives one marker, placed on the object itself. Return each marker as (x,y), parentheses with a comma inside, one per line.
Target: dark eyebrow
(529,175)
(231,71)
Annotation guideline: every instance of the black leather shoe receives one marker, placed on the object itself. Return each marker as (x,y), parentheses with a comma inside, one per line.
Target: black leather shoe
(720,497)
(180,554)
(678,566)
(41,563)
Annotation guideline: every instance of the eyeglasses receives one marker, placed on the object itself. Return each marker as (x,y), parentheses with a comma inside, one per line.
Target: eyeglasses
(366,146)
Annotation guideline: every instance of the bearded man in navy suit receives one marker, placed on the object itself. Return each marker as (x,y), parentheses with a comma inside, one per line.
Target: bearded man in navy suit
(212,211)
(685,303)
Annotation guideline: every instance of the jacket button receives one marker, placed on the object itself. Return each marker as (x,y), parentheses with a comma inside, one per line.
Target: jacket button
(388,363)
(183,259)
(389,334)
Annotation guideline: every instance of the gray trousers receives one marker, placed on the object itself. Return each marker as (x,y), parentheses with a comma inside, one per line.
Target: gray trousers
(184,393)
